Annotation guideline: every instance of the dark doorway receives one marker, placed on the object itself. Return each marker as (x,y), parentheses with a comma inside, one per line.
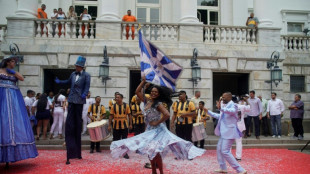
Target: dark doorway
(49,79)
(135,79)
(236,83)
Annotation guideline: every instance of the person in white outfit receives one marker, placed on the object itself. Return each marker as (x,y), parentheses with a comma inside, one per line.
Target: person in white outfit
(275,110)
(58,113)
(85,118)
(242,110)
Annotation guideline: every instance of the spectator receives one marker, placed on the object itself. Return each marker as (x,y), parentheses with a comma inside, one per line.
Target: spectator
(58,113)
(61,16)
(89,101)
(275,110)
(71,13)
(42,15)
(54,14)
(255,113)
(51,97)
(265,125)
(43,114)
(29,100)
(252,21)
(297,114)
(85,17)
(129,18)
(196,99)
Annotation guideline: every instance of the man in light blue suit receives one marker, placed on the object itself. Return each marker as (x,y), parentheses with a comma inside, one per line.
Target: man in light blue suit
(228,131)
(80,83)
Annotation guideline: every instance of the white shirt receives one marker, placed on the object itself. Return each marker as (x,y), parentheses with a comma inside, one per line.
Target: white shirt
(60,101)
(89,101)
(78,76)
(48,104)
(53,15)
(275,107)
(196,101)
(61,16)
(243,109)
(86,17)
(29,102)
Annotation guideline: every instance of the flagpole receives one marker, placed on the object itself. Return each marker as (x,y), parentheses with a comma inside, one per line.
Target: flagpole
(139,27)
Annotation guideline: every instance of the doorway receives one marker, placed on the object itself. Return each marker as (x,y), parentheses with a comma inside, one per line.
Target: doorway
(49,79)
(236,83)
(135,79)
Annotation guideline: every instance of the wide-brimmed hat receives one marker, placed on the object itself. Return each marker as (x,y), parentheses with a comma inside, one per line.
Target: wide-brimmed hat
(80,61)
(15,57)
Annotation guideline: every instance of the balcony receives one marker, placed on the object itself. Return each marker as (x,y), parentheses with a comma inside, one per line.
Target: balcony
(295,43)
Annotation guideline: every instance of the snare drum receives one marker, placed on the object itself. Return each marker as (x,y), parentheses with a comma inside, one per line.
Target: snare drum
(199,132)
(98,130)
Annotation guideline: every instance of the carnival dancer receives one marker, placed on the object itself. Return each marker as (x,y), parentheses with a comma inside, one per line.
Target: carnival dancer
(184,112)
(58,113)
(120,114)
(228,131)
(157,140)
(96,112)
(201,116)
(138,117)
(80,83)
(16,136)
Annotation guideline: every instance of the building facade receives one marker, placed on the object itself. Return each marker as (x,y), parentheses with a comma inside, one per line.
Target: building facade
(232,56)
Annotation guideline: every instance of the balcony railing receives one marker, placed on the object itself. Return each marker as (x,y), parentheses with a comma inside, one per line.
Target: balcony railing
(70,29)
(229,34)
(3,29)
(152,31)
(295,43)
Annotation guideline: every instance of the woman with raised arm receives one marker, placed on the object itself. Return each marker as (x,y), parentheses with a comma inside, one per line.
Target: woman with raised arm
(16,136)
(157,140)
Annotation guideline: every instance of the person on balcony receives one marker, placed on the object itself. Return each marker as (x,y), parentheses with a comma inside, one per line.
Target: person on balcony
(252,21)
(85,17)
(53,16)
(42,15)
(129,18)
(71,13)
(61,16)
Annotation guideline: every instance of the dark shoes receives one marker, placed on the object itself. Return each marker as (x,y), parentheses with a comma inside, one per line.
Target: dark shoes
(238,159)
(91,151)
(148,166)
(126,156)
(98,150)
(68,162)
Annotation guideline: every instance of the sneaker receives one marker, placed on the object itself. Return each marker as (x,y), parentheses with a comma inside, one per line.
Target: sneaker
(273,136)
(300,137)
(238,159)
(279,136)
(126,156)
(220,171)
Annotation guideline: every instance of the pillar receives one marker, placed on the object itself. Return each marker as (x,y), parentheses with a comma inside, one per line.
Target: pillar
(109,10)
(26,9)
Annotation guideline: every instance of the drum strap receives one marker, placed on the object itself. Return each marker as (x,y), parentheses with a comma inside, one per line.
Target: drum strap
(199,116)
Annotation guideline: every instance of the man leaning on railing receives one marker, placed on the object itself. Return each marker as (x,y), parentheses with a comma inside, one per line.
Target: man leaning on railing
(130,18)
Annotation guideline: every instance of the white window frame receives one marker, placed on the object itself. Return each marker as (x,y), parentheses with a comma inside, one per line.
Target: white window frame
(211,9)
(287,18)
(296,33)
(148,7)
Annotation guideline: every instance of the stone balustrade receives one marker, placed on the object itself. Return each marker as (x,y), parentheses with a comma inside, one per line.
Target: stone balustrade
(3,29)
(295,43)
(70,29)
(152,31)
(229,34)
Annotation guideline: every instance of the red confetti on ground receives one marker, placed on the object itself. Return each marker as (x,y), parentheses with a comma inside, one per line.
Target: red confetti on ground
(258,161)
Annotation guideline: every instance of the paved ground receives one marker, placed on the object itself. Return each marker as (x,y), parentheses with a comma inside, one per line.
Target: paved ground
(255,161)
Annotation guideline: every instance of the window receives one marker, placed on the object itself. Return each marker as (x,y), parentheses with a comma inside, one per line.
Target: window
(208,12)
(91,5)
(295,27)
(207,3)
(148,11)
(297,83)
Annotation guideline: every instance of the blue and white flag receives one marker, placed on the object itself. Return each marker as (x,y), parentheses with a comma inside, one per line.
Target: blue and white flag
(156,66)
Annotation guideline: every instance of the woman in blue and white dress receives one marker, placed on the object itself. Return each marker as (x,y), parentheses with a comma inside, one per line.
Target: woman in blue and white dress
(157,140)
(16,136)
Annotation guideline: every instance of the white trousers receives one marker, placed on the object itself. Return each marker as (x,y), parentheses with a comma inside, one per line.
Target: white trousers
(58,116)
(85,121)
(239,148)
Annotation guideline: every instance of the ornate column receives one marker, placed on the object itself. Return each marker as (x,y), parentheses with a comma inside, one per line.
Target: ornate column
(188,11)
(26,9)
(109,10)
(263,10)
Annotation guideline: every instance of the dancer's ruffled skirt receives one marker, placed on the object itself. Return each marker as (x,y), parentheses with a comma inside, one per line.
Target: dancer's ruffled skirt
(151,142)
(16,135)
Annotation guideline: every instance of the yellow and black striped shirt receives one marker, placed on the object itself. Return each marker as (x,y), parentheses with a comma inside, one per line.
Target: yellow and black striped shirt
(93,111)
(203,115)
(135,108)
(182,108)
(120,113)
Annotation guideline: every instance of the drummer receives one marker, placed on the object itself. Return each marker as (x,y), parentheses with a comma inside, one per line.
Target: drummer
(113,101)
(119,114)
(184,112)
(138,117)
(201,116)
(96,112)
